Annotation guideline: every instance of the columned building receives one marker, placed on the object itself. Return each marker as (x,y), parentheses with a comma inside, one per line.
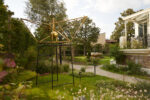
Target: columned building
(140,43)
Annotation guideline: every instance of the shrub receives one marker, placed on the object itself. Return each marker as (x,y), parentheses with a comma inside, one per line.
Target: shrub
(1,64)
(83,74)
(144,86)
(11,77)
(117,54)
(45,67)
(95,61)
(65,68)
(134,69)
(131,69)
(82,69)
(16,77)
(30,58)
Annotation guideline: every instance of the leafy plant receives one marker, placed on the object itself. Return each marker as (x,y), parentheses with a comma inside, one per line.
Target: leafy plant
(117,54)
(65,68)
(82,69)
(135,69)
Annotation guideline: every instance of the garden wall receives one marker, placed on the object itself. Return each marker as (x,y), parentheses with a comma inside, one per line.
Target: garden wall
(144,60)
(139,56)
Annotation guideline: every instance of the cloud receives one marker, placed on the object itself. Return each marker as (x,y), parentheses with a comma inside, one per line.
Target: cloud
(111,6)
(146,2)
(106,6)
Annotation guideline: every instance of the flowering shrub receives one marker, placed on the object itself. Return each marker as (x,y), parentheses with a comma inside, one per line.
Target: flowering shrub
(10,63)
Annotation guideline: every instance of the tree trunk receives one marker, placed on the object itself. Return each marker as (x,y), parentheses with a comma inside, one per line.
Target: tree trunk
(73,49)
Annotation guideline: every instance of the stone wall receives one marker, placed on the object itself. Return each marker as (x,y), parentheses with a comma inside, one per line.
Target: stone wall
(144,60)
(101,39)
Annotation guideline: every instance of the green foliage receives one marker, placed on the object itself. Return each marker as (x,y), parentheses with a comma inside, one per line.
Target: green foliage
(119,26)
(14,91)
(82,69)
(47,68)
(65,67)
(97,48)
(130,69)
(95,61)
(82,74)
(44,11)
(111,84)
(1,64)
(115,68)
(28,59)
(134,69)
(30,55)
(18,77)
(87,35)
(34,94)
(144,87)
(117,54)
(80,59)
(105,60)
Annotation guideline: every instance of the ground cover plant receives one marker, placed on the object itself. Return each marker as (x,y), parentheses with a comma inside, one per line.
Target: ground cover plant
(88,88)
(130,69)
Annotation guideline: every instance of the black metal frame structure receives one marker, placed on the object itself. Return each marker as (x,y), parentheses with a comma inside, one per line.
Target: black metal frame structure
(60,45)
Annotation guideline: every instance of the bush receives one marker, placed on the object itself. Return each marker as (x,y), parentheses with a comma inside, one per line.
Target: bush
(95,61)
(82,69)
(45,67)
(144,86)
(16,77)
(28,59)
(83,74)
(65,68)
(135,69)
(117,54)
(131,69)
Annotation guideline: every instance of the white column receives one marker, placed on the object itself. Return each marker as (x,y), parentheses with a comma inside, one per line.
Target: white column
(148,30)
(126,35)
(136,26)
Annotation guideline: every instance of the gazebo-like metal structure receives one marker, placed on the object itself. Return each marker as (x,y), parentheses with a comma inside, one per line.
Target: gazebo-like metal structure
(56,39)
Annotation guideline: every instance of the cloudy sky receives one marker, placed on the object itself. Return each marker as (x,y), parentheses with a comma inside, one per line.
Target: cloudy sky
(103,12)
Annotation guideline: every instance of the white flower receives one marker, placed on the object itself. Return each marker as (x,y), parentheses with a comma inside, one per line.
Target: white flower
(140,90)
(135,92)
(119,96)
(85,88)
(145,90)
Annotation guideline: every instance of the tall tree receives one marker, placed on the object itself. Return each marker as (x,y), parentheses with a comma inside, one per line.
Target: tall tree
(14,34)
(120,29)
(43,11)
(88,34)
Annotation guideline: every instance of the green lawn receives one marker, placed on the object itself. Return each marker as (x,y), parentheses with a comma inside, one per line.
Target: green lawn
(89,87)
(83,60)
(92,87)
(105,60)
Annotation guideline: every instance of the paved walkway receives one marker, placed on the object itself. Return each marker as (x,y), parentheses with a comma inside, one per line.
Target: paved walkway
(110,74)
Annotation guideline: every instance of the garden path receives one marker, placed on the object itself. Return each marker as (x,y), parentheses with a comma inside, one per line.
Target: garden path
(102,72)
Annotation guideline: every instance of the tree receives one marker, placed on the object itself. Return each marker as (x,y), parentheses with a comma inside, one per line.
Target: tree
(120,29)
(44,11)
(88,34)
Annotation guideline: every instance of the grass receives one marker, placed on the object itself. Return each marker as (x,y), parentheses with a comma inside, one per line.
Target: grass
(105,60)
(83,60)
(95,88)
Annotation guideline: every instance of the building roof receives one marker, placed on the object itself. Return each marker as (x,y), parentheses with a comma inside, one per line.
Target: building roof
(111,41)
(139,16)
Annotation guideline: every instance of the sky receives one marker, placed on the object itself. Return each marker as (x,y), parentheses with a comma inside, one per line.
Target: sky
(103,12)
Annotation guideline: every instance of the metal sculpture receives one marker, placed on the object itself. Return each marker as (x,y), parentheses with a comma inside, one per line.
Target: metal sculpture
(55,42)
